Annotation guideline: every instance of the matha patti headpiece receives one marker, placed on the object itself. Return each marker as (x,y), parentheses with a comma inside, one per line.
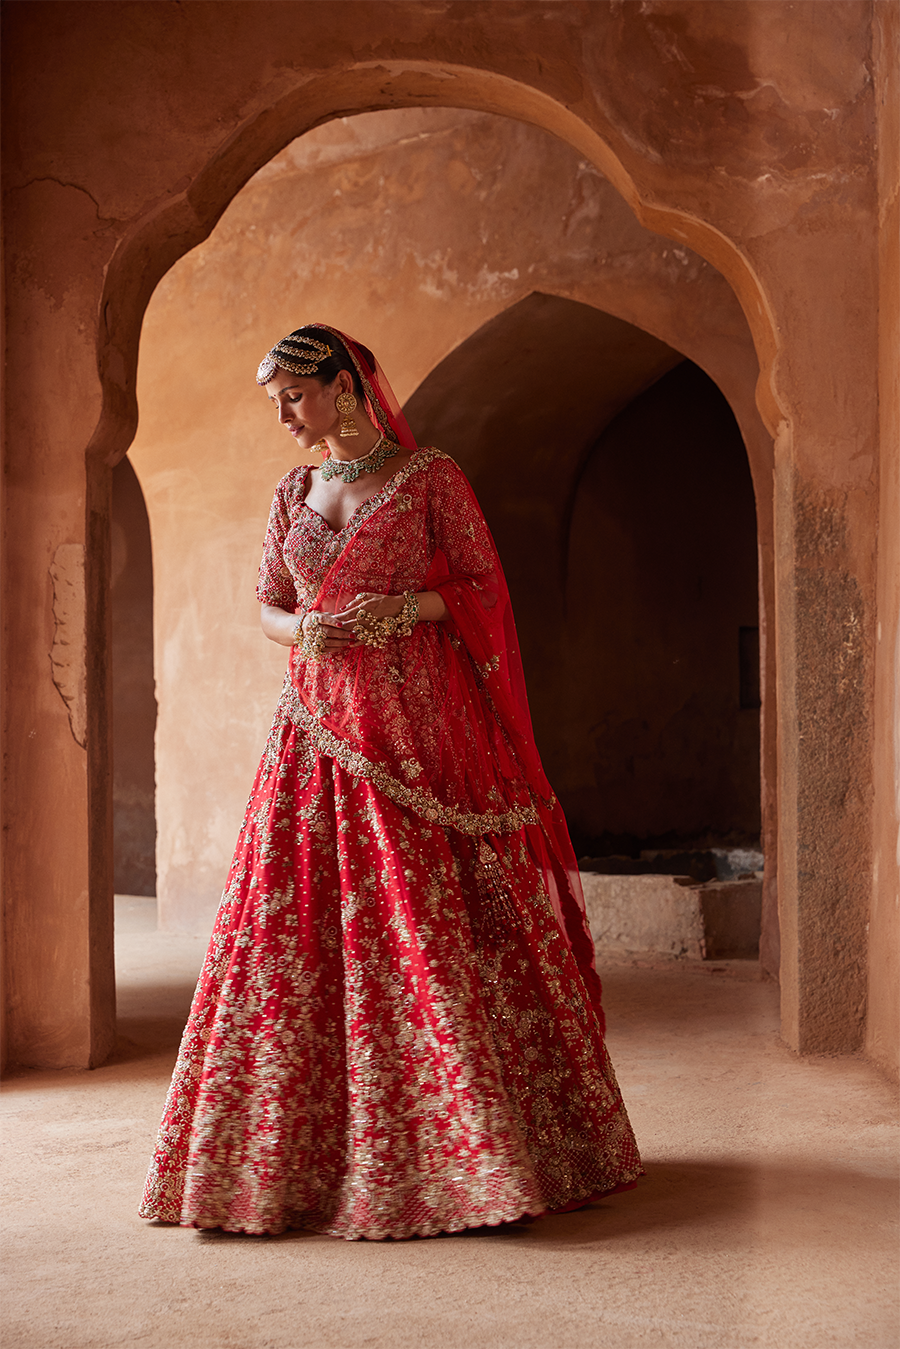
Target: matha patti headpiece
(298,355)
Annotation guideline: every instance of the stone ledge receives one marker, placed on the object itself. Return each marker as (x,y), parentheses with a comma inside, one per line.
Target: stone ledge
(673,916)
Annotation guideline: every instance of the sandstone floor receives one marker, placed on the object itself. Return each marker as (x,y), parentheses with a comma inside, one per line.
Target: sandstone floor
(768,1217)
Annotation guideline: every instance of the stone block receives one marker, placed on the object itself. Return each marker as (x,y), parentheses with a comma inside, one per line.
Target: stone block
(646,914)
(670,916)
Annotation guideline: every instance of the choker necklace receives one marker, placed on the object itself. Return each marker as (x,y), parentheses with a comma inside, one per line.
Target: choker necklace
(348,470)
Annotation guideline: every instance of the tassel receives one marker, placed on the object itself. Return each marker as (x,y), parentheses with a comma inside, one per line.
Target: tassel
(497,908)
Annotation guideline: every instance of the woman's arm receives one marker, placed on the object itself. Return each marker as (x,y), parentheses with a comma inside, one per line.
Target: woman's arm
(432,608)
(281,627)
(278,625)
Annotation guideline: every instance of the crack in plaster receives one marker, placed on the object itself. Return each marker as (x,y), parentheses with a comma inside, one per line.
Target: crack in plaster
(59,182)
(67,667)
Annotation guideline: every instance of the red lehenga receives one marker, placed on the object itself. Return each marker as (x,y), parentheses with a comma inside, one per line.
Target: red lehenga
(397,1029)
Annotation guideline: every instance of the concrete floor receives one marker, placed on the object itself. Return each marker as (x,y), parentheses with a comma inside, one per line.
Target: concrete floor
(767,1218)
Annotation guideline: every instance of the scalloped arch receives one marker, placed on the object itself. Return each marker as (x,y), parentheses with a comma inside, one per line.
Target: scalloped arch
(158,239)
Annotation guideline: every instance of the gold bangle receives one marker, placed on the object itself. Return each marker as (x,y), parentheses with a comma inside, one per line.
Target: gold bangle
(377,632)
(311,642)
(408,616)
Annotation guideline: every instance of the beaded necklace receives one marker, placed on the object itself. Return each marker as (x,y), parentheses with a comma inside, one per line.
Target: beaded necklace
(348,470)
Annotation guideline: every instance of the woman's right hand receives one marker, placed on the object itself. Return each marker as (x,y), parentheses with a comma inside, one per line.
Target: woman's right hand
(336,637)
(281,626)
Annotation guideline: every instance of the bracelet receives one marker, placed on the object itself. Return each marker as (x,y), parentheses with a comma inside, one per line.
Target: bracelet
(311,643)
(408,616)
(377,632)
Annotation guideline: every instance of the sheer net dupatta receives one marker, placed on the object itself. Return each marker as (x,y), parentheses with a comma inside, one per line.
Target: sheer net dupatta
(381,404)
(500,758)
(481,614)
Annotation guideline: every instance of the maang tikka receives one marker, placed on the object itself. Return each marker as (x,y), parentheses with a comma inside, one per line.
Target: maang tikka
(345,404)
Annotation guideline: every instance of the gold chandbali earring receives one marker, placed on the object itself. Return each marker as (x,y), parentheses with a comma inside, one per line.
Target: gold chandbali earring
(345,404)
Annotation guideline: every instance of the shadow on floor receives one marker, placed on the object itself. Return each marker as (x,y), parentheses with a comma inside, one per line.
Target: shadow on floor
(678,1196)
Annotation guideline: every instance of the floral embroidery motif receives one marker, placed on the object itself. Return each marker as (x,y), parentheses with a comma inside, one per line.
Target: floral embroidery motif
(391,1034)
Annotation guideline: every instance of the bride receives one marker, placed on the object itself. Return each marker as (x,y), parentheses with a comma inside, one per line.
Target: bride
(397,1029)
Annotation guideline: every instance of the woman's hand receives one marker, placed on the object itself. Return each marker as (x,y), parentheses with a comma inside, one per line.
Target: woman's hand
(432,608)
(336,638)
(379,606)
(281,627)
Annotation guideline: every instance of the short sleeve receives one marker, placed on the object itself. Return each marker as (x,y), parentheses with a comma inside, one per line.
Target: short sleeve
(276,585)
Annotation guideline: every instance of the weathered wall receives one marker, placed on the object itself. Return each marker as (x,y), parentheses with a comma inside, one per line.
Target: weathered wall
(883,1026)
(410,229)
(746,130)
(134,699)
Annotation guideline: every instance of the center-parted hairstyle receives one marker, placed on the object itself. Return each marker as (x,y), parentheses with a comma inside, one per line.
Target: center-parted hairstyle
(300,353)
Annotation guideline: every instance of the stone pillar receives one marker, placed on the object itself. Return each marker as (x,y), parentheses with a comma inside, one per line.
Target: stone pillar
(883,1024)
(825,511)
(57,878)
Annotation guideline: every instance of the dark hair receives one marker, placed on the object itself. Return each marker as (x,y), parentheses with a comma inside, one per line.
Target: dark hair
(327,372)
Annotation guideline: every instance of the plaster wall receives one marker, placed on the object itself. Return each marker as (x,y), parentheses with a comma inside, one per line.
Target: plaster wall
(410,229)
(744,130)
(883,1024)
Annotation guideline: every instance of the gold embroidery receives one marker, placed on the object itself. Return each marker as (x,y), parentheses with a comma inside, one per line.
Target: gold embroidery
(390,1035)
(417,799)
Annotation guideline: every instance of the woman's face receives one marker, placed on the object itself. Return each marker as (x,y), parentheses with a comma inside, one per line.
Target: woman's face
(305,406)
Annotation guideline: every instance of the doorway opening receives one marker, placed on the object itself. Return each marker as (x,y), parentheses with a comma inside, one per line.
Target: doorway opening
(617,485)
(134,694)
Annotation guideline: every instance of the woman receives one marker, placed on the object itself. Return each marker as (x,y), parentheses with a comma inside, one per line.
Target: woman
(397,1029)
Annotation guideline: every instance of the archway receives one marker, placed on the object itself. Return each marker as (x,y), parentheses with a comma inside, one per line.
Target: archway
(405,201)
(616,483)
(155,239)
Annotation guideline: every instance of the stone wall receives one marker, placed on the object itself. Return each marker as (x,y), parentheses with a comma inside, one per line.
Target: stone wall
(760,135)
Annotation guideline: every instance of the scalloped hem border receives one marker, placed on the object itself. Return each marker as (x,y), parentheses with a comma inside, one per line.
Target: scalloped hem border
(523,1216)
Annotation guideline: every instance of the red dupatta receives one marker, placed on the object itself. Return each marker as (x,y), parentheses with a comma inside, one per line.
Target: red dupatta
(501,774)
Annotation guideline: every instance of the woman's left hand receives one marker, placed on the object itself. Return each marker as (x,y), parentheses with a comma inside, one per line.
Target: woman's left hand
(380,606)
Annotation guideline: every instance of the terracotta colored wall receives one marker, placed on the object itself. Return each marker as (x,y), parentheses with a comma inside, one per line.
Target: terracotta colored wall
(883,1026)
(410,229)
(758,149)
(134,700)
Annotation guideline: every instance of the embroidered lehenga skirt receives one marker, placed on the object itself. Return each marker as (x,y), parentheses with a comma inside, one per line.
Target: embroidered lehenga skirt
(390,1036)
